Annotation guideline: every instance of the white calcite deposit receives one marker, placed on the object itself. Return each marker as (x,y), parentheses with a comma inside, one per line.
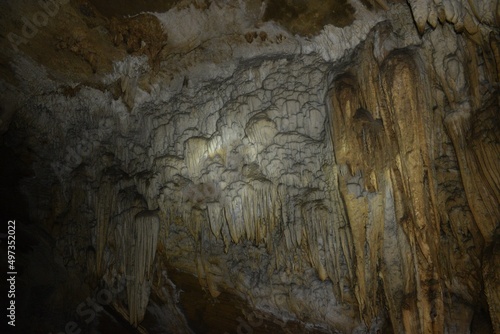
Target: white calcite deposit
(345,180)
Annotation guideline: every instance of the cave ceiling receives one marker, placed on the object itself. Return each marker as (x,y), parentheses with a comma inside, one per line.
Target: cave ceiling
(211,166)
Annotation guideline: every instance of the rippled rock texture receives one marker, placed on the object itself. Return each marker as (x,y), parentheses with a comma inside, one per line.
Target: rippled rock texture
(307,172)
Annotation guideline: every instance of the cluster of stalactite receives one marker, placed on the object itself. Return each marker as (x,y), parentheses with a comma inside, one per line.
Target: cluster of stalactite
(401,217)
(416,132)
(126,237)
(375,175)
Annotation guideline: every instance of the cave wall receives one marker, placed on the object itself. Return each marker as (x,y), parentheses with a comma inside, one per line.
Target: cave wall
(343,178)
(406,187)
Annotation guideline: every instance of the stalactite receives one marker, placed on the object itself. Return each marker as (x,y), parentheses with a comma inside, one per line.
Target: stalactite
(203,267)
(483,203)
(140,241)
(105,208)
(408,110)
(341,256)
(196,152)
(397,265)
(216,218)
(316,221)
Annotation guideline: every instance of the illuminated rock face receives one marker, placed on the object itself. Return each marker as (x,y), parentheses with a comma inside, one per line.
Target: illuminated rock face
(346,181)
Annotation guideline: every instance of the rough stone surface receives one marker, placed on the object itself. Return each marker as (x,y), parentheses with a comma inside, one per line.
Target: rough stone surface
(309,173)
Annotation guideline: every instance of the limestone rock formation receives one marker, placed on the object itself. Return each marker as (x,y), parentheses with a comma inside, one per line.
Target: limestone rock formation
(253,166)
